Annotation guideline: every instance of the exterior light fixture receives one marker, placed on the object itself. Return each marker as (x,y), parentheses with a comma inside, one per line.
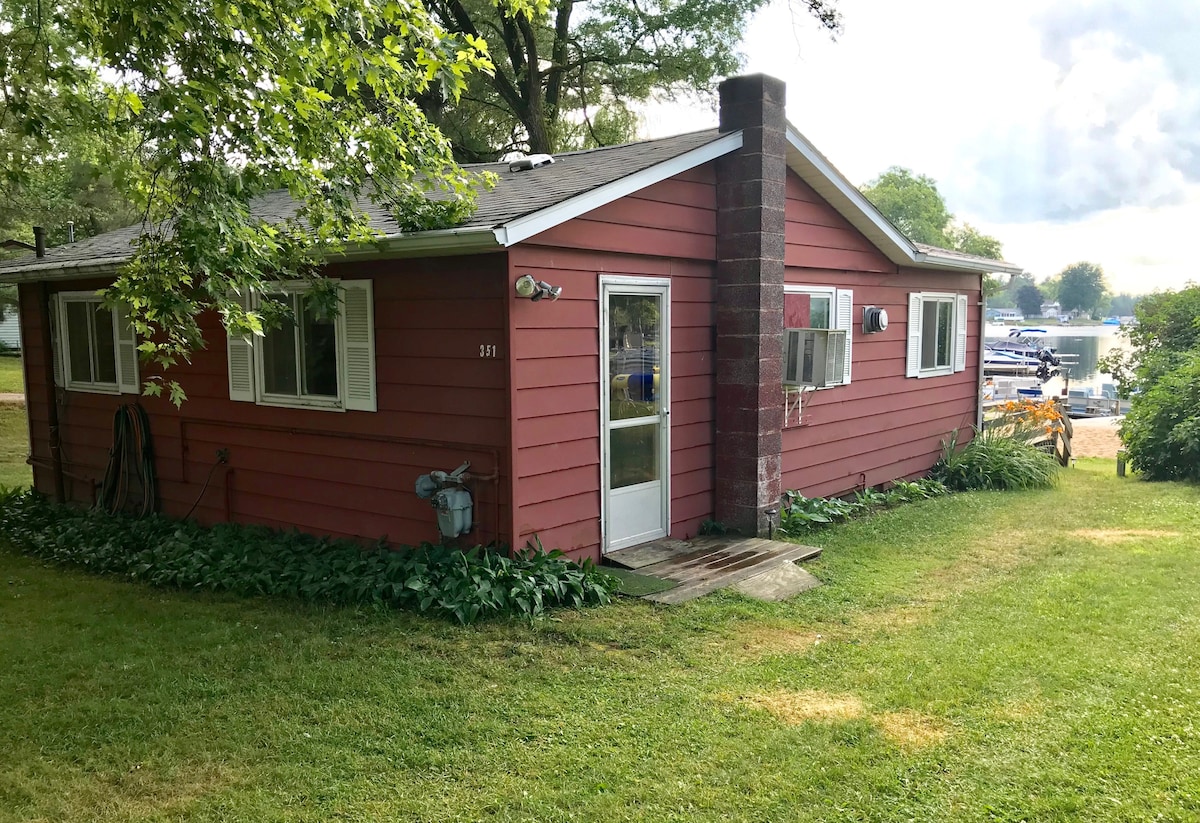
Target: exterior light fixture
(526,285)
(536,290)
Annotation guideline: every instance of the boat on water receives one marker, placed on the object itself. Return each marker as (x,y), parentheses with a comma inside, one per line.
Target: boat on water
(1023,351)
(1022,344)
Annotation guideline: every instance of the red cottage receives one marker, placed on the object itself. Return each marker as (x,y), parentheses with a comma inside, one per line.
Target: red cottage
(645,397)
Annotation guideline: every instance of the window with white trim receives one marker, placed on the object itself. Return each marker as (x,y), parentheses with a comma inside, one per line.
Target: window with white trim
(95,345)
(311,360)
(820,307)
(937,334)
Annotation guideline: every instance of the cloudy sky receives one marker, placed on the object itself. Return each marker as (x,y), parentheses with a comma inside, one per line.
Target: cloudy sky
(1068,129)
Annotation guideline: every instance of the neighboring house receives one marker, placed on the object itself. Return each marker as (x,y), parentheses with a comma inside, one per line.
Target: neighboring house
(1008,316)
(10,332)
(1052,309)
(643,402)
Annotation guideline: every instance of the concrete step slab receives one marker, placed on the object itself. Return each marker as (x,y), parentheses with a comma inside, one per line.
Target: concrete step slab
(777,583)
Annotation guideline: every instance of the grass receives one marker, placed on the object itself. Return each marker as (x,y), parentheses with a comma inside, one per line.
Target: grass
(986,656)
(14,446)
(12,378)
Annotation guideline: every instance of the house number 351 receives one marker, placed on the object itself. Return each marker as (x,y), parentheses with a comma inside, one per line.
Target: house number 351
(487,350)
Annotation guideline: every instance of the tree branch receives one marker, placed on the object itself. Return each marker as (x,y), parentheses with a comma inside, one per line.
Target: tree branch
(558,57)
(504,87)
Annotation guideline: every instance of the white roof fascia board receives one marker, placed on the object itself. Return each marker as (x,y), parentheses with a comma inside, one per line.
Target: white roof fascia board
(537,222)
(951,262)
(896,246)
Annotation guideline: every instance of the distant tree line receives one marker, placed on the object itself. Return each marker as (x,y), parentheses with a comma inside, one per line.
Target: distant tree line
(1079,288)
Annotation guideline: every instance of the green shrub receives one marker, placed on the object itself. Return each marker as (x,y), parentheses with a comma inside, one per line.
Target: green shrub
(254,560)
(800,513)
(1162,430)
(995,459)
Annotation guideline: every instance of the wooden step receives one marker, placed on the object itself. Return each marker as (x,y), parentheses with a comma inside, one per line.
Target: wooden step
(700,578)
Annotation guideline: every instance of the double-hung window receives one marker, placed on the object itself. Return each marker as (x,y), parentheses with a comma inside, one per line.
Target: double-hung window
(937,334)
(95,346)
(820,307)
(312,359)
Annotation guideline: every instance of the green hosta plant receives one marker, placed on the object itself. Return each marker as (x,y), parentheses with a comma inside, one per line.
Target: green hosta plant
(800,513)
(252,560)
(869,498)
(906,491)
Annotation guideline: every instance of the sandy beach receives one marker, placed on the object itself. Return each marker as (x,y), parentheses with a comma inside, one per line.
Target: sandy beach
(1096,437)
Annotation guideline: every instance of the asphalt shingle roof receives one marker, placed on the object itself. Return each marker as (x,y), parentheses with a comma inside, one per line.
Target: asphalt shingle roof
(515,194)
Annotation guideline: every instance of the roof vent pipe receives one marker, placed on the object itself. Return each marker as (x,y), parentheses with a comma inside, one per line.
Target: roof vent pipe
(533,161)
(70,231)
(39,241)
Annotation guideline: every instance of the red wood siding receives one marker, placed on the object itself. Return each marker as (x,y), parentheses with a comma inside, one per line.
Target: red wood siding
(882,426)
(665,230)
(820,238)
(346,474)
(675,218)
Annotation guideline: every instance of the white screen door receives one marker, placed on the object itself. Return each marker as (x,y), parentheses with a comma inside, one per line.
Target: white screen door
(634,409)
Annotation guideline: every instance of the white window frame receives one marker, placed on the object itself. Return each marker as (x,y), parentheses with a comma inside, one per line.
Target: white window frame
(312,401)
(841,316)
(958,336)
(124,347)
(252,373)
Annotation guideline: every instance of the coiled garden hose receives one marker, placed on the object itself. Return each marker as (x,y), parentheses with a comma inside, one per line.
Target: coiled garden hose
(130,484)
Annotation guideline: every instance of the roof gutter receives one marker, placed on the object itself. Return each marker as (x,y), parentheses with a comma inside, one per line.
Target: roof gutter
(951,262)
(470,240)
(53,270)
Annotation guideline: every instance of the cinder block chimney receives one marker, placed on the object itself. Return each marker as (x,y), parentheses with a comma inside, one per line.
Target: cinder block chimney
(750,244)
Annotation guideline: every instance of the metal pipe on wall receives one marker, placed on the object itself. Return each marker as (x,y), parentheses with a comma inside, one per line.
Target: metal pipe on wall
(51,394)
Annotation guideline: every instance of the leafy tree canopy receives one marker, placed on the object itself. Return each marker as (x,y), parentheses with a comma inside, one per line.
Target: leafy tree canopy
(968,239)
(72,188)
(1162,373)
(1081,287)
(221,102)
(566,80)
(1029,301)
(1123,304)
(914,205)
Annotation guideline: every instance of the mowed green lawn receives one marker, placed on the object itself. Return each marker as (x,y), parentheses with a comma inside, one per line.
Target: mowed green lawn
(982,657)
(14,447)
(12,378)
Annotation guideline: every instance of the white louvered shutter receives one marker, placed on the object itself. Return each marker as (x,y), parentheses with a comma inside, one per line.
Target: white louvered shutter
(960,332)
(127,355)
(845,321)
(358,344)
(241,364)
(914,335)
(57,339)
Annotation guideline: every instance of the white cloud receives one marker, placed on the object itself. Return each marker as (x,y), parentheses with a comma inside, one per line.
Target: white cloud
(1070,129)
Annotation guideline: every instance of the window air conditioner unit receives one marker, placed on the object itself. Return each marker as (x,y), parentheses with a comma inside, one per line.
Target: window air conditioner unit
(814,357)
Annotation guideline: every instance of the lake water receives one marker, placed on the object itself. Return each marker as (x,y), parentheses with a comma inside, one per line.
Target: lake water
(1087,343)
